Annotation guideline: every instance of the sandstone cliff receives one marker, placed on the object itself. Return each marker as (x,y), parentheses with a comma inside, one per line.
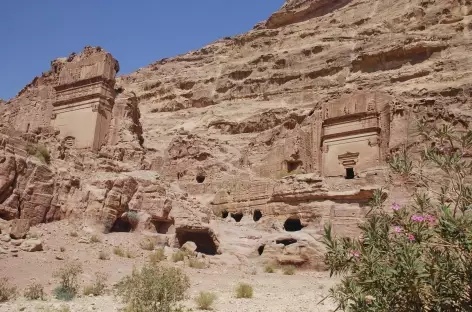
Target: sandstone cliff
(246,124)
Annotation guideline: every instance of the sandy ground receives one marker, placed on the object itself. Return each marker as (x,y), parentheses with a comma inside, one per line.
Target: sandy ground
(272,292)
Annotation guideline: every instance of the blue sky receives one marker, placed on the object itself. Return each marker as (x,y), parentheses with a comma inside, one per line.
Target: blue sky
(34,32)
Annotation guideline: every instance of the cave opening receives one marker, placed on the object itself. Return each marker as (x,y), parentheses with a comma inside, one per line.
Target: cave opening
(201,238)
(200,178)
(121,225)
(293,166)
(350,173)
(257,215)
(224,214)
(293,225)
(286,241)
(260,250)
(162,227)
(237,216)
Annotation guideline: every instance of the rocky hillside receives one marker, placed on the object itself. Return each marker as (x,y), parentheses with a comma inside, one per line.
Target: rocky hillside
(213,128)
(308,53)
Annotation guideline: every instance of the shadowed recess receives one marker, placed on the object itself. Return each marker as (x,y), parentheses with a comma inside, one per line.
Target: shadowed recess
(201,238)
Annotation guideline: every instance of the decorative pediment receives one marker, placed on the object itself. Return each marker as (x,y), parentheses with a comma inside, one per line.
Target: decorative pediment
(348,159)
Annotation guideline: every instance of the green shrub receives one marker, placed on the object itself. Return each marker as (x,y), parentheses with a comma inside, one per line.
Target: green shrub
(98,287)
(417,257)
(157,256)
(148,244)
(34,291)
(133,218)
(95,239)
(179,256)
(269,268)
(244,290)
(289,270)
(103,255)
(69,281)
(153,288)
(117,250)
(205,300)
(7,292)
(39,151)
(197,264)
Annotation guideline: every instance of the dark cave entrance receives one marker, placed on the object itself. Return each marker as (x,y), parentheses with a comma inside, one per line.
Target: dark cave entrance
(201,238)
(121,225)
(286,241)
(237,216)
(260,250)
(224,214)
(293,165)
(162,226)
(257,215)
(200,178)
(350,173)
(293,225)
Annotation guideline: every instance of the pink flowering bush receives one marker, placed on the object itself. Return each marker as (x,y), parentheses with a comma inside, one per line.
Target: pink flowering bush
(415,257)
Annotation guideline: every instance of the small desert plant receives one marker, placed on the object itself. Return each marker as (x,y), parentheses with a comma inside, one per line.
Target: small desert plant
(130,254)
(68,278)
(133,218)
(244,291)
(179,256)
(103,255)
(197,264)
(62,308)
(157,256)
(147,244)
(74,234)
(39,151)
(7,292)
(205,300)
(153,288)
(269,268)
(62,249)
(117,250)
(34,291)
(97,288)
(289,270)
(95,239)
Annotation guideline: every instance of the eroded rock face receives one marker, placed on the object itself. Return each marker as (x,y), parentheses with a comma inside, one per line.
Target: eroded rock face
(275,131)
(295,11)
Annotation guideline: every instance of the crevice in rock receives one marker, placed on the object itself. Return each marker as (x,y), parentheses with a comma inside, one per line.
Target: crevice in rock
(286,241)
(257,215)
(237,216)
(201,237)
(224,214)
(260,250)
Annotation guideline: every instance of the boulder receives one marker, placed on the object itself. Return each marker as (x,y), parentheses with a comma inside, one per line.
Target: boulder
(32,245)
(19,228)
(17,242)
(189,246)
(5,238)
